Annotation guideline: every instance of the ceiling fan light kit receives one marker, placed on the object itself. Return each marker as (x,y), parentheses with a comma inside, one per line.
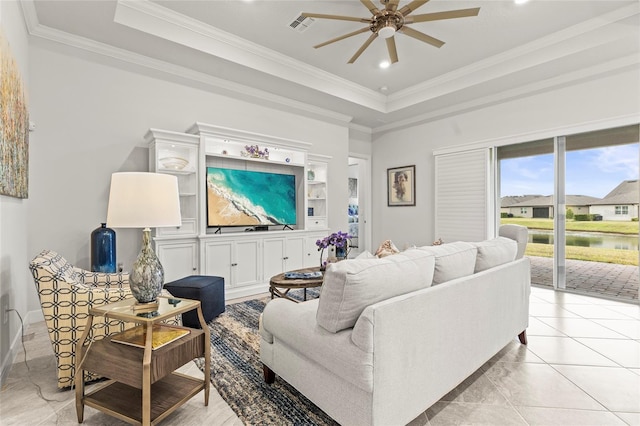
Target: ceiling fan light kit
(388,21)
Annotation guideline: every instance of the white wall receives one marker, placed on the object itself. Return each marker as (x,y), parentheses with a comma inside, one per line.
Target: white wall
(594,102)
(91,117)
(14,275)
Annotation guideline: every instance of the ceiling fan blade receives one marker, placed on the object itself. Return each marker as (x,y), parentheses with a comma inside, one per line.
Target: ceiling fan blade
(393,52)
(392,5)
(342,37)
(450,14)
(363,47)
(337,17)
(408,8)
(369,5)
(421,36)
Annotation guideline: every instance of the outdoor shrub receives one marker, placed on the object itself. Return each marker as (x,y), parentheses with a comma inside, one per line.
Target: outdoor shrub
(503,215)
(570,214)
(634,219)
(583,217)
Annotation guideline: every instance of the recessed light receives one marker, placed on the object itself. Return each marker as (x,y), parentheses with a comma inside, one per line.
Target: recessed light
(384,64)
(520,1)
(384,88)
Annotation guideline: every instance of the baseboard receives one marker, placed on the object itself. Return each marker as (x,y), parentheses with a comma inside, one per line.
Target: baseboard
(251,290)
(16,344)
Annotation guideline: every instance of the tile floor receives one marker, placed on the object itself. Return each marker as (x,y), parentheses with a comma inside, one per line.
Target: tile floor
(581,367)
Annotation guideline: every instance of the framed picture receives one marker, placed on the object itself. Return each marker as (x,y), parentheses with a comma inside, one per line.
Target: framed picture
(401,186)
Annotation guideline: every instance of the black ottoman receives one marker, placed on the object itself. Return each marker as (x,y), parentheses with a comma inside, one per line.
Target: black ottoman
(209,290)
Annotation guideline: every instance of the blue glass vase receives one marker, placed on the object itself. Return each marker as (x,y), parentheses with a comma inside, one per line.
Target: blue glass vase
(103,249)
(341,253)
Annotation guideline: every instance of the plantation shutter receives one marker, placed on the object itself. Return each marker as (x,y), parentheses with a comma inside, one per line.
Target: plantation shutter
(462,196)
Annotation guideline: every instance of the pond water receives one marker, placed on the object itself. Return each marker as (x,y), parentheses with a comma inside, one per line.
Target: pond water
(588,239)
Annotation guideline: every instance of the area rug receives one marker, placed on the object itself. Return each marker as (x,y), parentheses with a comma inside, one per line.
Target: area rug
(236,372)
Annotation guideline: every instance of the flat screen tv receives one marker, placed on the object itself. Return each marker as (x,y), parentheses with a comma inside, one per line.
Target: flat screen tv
(249,198)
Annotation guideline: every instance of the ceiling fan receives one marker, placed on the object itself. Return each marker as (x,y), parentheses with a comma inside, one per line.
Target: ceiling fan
(386,22)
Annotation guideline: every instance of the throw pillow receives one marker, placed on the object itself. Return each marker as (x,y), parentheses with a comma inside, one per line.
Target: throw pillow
(495,252)
(365,255)
(453,260)
(387,248)
(352,285)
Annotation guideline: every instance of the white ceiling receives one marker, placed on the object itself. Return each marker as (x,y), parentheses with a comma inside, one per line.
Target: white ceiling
(247,47)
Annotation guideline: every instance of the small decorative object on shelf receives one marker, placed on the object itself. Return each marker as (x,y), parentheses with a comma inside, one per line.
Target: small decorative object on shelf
(311,175)
(438,242)
(254,151)
(174,163)
(340,240)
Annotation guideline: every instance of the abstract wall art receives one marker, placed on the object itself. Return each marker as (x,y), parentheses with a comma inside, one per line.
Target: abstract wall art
(14,127)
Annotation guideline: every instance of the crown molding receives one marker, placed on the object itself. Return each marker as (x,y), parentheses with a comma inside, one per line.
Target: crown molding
(628,62)
(162,22)
(41,31)
(546,49)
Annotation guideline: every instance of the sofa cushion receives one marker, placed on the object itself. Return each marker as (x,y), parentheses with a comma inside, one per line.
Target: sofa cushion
(495,252)
(453,260)
(352,285)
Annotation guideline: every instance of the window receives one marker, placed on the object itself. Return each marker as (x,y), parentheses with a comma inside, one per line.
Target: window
(622,209)
(523,210)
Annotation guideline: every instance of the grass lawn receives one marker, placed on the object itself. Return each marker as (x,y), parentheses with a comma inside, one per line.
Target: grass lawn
(620,257)
(592,254)
(612,227)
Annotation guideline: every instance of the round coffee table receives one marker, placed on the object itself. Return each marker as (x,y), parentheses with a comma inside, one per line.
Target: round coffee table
(280,286)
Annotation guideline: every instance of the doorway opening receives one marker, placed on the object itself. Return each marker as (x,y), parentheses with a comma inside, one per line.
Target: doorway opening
(359,188)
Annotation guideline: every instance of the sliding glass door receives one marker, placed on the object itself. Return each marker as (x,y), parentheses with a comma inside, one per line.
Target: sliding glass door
(578,195)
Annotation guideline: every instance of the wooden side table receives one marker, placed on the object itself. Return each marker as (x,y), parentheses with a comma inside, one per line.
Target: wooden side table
(280,286)
(144,388)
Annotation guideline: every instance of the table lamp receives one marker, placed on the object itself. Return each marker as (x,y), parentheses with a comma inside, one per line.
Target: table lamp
(144,200)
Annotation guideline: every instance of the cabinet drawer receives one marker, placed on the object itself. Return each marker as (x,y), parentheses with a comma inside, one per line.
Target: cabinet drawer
(316,222)
(188,227)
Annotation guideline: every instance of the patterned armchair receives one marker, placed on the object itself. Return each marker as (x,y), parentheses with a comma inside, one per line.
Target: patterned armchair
(66,294)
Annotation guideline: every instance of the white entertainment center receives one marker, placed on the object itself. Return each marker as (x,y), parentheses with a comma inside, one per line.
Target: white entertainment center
(244,257)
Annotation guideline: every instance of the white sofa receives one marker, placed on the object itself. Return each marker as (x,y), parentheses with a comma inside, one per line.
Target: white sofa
(382,344)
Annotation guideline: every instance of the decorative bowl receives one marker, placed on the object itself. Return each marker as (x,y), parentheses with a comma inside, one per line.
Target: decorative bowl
(174,163)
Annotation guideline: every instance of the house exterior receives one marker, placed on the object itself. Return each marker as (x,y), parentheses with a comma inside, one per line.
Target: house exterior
(542,206)
(620,204)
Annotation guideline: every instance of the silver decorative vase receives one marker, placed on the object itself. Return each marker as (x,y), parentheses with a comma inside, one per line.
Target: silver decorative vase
(147,277)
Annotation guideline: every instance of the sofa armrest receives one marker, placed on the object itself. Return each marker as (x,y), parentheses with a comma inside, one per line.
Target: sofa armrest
(429,341)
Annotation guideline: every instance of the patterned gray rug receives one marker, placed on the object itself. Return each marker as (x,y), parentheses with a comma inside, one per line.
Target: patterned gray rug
(236,372)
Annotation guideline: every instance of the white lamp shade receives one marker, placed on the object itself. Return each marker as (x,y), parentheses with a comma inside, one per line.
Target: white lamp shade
(143,200)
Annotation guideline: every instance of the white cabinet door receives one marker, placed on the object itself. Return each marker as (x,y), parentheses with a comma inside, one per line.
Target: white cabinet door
(311,253)
(273,257)
(294,254)
(246,263)
(178,259)
(218,260)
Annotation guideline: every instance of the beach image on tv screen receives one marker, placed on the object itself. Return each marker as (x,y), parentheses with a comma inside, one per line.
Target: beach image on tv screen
(246,198)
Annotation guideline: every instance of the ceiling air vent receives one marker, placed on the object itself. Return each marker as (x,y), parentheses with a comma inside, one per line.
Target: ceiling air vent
(300,23)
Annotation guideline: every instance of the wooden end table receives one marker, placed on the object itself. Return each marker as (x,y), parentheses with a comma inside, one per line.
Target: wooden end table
(144,388)
(280,286)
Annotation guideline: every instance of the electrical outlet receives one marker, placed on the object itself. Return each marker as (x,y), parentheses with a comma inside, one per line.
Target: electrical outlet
(4,309)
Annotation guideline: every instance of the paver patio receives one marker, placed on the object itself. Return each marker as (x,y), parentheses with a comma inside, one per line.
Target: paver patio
(596,278)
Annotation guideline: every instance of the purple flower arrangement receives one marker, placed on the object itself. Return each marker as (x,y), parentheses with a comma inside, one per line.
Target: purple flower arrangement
(254,151)
(337,239)
(340,240)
